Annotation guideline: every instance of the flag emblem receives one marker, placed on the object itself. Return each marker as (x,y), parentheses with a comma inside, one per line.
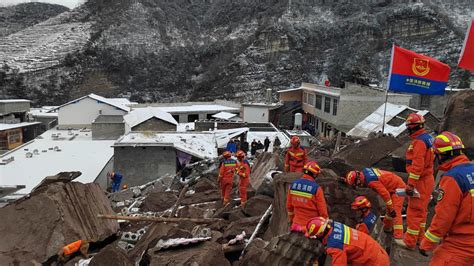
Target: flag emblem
(421,67)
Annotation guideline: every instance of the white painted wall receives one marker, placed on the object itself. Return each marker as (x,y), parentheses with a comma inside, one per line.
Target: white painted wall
(83,112)
(256,114)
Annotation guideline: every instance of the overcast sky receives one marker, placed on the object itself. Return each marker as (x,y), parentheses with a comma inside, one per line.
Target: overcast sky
(68,3)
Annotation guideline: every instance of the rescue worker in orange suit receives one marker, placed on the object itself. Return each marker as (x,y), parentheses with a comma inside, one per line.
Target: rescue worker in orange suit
(295,157)
(67,251)
(453,222)
(362,205)
(385,184)
(305,199)
(346,245)
(420,159)
(243,170)
(226,176)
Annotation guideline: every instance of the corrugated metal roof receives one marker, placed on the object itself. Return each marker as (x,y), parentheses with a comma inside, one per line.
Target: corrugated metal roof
(373,122)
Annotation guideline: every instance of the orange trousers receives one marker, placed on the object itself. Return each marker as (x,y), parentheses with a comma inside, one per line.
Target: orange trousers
(243,185)
(226,190)
(417,211)
(445,256)
(397,222)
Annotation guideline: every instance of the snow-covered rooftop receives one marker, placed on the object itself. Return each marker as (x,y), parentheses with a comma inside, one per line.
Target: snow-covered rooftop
(112,101)
(42,112)
(199,144)
(140,115)
(224,115)
(198,108)
(373,122)
(15,101)
(17,125)
(182,127)
(78,152)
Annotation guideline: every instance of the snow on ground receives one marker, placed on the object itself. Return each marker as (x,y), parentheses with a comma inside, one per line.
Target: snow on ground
(79,154)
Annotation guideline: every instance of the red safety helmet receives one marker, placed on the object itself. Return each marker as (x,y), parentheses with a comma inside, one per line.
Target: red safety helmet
(361,202)
(227,154)
(240,154)
(446,142)
(414,120)
(312,168)
(353,178)
(316,227)
(295,140)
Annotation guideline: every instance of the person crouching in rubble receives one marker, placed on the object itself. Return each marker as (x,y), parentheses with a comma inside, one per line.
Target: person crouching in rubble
(367,219)
(385,183)
(243,170)
(116,178)
(305,199)
(226,176)
(346,245)
(452,227)
(295,157)
(67,251)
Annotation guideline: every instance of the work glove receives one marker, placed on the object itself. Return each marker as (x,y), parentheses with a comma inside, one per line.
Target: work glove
(410,190)
(423,252)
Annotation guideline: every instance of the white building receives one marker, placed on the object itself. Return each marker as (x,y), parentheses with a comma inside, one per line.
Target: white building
(81,112)
(258,112)
(56,151)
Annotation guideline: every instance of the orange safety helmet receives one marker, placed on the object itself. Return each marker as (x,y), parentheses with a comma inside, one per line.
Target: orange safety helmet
(312,168)
(316,227)
(446,142)
(295,140)
(414,120)
(353,178)
(240,154)
(227,154)
(125,186)
(361,202)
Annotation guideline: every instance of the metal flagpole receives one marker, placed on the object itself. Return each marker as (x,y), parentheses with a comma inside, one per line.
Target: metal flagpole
(386,91)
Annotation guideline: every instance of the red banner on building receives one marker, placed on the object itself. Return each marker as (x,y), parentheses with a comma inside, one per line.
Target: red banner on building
(466,60)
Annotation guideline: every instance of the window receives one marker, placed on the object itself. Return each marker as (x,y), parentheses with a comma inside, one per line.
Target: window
(334,107)
(311,99)
(327,104)
(305,97)
(176,117)
(192,118)
(319,101)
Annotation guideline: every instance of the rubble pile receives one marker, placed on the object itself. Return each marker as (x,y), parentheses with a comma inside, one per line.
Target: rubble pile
(34,228)
(459,114)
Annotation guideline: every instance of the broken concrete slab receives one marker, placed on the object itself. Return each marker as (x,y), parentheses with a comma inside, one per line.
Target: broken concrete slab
(257,205)
(206,253)
(264,163)
(111,255)
(366,153)
(400,257)
(204,185)
(158,201)
(201,197)
(35,228)
(246,224)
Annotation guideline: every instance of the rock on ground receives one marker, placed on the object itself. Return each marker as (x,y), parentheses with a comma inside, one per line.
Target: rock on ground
(207,253)
(246,224)
(35,228)
(459,118)
(204,185)
(368,152)
(257,205)
(158,201)
(111,255)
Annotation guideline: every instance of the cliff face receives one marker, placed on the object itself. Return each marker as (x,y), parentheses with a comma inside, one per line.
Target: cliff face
(203,49)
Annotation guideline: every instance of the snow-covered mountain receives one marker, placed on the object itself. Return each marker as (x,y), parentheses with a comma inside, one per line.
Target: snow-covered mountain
(163,50)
